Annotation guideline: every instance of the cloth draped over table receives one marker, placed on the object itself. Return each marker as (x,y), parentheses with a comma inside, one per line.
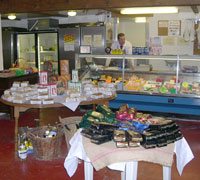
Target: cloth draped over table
(108,155)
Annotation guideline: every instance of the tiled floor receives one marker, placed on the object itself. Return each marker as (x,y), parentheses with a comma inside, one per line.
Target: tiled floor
(32,169)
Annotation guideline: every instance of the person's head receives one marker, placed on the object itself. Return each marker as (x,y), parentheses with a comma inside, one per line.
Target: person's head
(121,38)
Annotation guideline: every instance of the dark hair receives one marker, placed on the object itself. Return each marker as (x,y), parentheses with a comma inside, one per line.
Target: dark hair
(120,35)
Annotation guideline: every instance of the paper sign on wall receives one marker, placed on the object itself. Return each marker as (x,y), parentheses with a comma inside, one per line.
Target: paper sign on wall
(168,41)
(155,41)
(155,44)
(69,41)
(69,47)
(163,28)
(182,42)
(174,28)
(87,40)
(69,38)
(97,40)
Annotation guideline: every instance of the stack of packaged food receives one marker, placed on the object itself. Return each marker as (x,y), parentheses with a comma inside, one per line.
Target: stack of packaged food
(99,132)
(23,92)
(129,128)
(127,138)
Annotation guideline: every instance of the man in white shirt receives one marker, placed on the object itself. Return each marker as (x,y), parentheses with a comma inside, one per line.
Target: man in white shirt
(122,44)
(125,46)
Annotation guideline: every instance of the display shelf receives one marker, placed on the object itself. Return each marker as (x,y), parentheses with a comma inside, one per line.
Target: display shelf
(158,94)
(174,91)
(40,52)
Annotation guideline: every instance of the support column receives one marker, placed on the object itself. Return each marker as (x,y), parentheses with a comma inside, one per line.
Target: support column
(1,47)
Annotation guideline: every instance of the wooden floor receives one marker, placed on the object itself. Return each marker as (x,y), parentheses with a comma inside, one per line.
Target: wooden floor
(32,169)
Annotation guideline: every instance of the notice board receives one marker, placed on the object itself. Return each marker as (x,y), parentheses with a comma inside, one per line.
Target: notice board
(169,27)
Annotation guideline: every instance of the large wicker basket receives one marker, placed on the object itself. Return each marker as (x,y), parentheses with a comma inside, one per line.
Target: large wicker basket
(45,148)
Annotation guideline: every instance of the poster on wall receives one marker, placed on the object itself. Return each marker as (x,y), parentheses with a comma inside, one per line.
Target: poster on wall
(97,40)
(109,32)
(168,41)
(163,28)
(174,28)
(69,41)
(87,40)
(156,45)
(182,42)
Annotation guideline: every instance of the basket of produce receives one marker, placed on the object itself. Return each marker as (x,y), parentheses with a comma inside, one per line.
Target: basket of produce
(46,141)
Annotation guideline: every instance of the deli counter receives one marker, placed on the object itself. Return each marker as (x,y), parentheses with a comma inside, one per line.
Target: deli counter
(168,84)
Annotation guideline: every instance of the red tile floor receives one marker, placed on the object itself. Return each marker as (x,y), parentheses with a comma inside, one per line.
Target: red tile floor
(32,169)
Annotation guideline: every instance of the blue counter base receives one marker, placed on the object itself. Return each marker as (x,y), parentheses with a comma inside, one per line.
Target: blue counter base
(179,105)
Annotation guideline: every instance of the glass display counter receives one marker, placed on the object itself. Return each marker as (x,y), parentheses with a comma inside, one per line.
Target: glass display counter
(150,83)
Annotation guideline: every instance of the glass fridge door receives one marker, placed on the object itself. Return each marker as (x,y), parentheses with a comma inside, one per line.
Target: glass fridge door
(26,49)
(48,50)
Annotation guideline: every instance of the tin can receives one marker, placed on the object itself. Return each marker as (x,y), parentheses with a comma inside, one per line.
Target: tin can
(53,90)
(43,77)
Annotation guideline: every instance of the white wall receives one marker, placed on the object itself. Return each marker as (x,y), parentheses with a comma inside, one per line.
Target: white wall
(15,23)
(135,32)
(80,19)
(1,49)
(172,50)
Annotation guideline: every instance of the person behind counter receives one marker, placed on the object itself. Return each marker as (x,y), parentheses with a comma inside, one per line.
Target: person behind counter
(122,44)
(126,47)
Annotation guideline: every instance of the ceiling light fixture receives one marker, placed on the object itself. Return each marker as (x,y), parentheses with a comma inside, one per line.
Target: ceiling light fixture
(150,10)
(12,16)
(71,13)
(140,19)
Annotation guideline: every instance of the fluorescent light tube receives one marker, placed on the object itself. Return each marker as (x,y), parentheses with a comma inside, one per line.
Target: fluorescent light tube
(140,20)
(149,10)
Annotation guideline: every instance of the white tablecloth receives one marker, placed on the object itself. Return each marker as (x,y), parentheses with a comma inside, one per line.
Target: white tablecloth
(182,150)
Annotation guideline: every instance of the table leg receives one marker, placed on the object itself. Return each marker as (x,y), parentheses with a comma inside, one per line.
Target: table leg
(94,107)
(123,175)
(16,116)
(166,173)
(88,171)
(131,170)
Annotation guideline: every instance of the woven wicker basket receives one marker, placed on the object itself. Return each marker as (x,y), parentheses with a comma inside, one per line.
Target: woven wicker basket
(45,148)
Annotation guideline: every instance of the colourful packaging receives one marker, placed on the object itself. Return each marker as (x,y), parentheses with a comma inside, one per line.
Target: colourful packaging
(53,89)
(64,67)
(71,85)
(75,75)
(43,77)
(78,86)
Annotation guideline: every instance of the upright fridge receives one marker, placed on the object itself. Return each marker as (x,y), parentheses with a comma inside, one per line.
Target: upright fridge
(80,34)
(69,54)
(34,48)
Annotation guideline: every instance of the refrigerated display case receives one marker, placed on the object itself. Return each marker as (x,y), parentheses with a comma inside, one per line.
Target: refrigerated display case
(34,48)
(26,49)
(149,83)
